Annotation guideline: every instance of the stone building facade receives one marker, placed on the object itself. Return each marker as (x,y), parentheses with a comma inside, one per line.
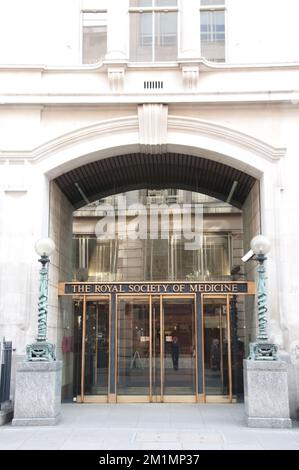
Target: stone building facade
(92,82)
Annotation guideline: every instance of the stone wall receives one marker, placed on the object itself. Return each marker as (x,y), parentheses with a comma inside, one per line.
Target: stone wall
(60,320)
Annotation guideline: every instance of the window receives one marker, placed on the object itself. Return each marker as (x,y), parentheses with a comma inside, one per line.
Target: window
(212,30)
(153,30)
(212,2)
(168,259)
(94,41)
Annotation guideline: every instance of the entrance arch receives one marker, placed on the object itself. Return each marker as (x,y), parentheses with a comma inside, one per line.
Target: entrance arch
(87,167)
(132,373)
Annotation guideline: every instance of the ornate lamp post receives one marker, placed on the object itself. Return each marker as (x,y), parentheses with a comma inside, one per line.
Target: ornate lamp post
(266,394)
(41,350)
(262,349)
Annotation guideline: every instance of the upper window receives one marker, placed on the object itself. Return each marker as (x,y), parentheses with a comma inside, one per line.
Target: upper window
(94,41)
(153,30)
(153,3)
(212,2)
(212,30)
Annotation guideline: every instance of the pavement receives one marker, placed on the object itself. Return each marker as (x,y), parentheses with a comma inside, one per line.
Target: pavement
(150,427)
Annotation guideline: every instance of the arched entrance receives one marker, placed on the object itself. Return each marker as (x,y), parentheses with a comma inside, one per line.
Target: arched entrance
(165,341)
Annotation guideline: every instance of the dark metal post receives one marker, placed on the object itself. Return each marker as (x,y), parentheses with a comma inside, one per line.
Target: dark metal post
(5,376)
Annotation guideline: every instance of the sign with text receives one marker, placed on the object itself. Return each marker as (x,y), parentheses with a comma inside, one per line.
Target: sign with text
(95,288)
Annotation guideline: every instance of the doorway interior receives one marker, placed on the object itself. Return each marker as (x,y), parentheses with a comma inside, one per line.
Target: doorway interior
(163,348)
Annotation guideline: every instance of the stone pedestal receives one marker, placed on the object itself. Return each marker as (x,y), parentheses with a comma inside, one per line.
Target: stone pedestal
(266,394)
(37,393)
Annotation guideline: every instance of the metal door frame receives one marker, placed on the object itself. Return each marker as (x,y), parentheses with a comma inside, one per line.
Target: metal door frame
(82,398)
(198,306)
(157,398)
(219,398)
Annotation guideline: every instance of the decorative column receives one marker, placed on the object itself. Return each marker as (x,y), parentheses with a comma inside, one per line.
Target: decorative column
(265,376)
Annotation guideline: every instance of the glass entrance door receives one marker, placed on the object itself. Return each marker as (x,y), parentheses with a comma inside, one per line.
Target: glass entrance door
(153,348)
(156,349)
(217,349)
(95,350)
(134,347)
(179,350)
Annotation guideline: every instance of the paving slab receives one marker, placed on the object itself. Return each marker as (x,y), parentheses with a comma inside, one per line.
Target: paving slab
(150,427)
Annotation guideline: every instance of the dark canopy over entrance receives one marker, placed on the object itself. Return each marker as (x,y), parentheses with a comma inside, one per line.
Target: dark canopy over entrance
(135,171)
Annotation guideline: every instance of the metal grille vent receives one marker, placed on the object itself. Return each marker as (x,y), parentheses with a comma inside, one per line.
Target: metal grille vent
(153,85)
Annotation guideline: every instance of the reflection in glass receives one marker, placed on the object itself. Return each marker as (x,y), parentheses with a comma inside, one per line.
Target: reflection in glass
(153,3)
(166,3)
(78,318)
(165,36)
(159,253)
(156,259)
(94,41)
(212,2)
(96,348)
(179,347)
(237,349)
(179,354)
(141,37)
(164,259)
(216,347)
(102,256)
(156,347)
(141,3)
(212,33)
(133,347)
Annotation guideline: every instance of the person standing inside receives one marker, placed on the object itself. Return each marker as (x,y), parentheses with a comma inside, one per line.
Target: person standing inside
(175,352)
(215,354)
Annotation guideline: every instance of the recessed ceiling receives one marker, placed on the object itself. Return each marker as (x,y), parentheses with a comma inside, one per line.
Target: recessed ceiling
(171,170)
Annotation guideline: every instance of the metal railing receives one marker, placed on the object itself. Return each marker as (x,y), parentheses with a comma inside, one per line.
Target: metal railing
(5,371)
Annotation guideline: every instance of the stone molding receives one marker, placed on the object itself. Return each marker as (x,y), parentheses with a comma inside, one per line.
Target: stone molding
(101,66)
(153,126)
(216,131)
(104,128)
